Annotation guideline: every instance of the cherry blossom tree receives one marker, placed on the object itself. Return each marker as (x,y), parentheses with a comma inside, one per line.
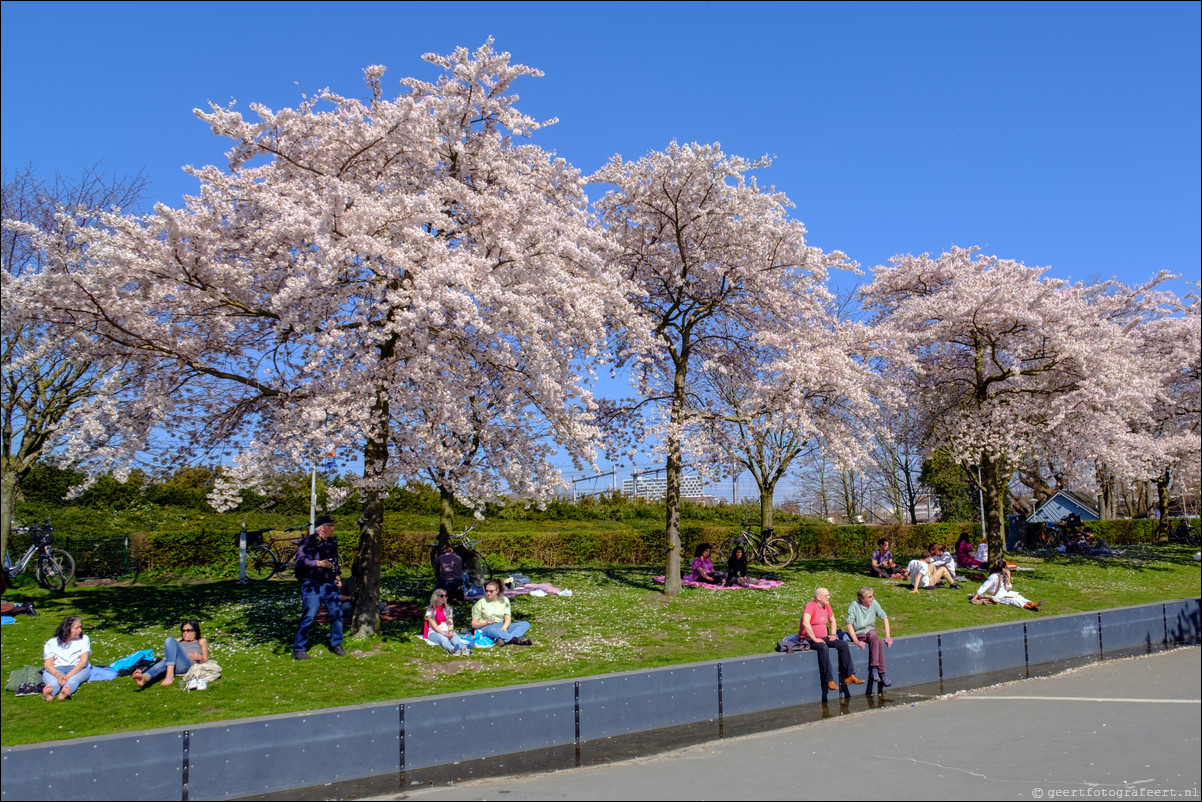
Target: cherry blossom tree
(816,391)
(1170,439)
(44,392)
(386,278)
(719,270)
(1001,356)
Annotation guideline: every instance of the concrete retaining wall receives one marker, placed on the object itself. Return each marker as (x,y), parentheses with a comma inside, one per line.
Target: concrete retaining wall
(270,754)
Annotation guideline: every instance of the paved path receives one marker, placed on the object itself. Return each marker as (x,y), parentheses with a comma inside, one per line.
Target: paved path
(1124,728)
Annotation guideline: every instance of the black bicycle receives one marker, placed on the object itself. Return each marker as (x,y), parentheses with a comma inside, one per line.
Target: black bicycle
(53,568)
(1184,533)
(764,547)
(268,554)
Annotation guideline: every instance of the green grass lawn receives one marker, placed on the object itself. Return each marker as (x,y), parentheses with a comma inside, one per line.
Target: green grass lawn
(617,619)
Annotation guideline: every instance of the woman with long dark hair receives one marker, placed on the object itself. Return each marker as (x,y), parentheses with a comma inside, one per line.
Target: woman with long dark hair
(65,660)
(736,567)
(703,566)
(996,589)
(179,655)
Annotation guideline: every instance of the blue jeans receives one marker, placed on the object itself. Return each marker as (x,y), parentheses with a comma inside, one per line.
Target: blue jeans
(73,682)
(313,596)
(453,586)
(174,657)
(450,644)
(516,630)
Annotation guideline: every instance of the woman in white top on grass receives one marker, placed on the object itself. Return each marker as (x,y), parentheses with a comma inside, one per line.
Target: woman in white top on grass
(996,589)
(65,660)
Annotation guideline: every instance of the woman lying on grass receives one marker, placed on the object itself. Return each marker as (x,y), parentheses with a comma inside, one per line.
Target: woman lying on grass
(996,590)
(180,655)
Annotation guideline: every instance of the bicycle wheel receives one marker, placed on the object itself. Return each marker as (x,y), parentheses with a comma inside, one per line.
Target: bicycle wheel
(779,552)
(261,564)
(55,569)
(727,547)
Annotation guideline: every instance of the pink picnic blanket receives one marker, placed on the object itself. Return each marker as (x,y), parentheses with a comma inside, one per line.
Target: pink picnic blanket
(752,584)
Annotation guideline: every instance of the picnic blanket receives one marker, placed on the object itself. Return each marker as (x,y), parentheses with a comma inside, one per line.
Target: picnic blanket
(532,589)
(752,584)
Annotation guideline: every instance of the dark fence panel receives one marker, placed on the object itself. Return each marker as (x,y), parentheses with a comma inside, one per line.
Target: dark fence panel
(255,756)
(485,724)
(1063,637)
(756,684)
(1184,620)
(99,557)
(912,660)
(147,766)
(1133,630)
(648,700)
(982,650)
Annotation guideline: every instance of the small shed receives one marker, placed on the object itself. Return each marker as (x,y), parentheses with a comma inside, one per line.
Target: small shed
(1063,504)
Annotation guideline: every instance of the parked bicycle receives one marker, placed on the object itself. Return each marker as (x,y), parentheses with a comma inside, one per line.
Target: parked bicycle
(1184,533)
(764,547)
(268,554)
(474,563)
(52,569)
(1053,535)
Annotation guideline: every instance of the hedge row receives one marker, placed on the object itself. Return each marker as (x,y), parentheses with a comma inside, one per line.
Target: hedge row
(551,544)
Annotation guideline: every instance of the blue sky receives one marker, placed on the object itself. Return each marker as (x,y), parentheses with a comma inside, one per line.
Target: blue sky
(1060,134)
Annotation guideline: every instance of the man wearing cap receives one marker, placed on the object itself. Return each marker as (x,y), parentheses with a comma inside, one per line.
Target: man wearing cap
(317,569)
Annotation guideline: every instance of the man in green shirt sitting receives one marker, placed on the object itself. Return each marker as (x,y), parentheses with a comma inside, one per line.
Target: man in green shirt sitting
(862,615)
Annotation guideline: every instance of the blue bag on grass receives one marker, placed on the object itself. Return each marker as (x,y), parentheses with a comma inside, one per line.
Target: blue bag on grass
(132,660)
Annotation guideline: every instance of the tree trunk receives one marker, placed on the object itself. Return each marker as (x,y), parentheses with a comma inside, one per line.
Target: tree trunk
(672,584)
(9,482)
(1106,493)
(766,492)
(366,569)
(1163,483)
(446,514)
(993,481)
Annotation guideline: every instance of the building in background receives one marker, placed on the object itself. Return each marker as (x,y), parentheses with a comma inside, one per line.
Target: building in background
(652,487)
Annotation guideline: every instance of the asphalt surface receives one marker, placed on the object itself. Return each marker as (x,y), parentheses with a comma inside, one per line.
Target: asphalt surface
(1129,728)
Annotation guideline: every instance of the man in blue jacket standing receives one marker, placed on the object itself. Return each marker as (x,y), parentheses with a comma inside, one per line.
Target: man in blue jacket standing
(317,568)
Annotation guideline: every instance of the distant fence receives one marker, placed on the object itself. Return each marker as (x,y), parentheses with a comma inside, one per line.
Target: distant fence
(99,557)
(383,742)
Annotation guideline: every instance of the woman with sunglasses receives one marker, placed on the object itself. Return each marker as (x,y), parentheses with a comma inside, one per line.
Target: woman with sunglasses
(493,616)
(180,655)
(440,626)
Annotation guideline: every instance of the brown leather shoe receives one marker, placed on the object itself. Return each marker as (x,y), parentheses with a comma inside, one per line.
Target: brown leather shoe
(831,685)
(852,679)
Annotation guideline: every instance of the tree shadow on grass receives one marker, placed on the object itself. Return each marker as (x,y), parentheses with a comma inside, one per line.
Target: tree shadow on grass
(256,614)
(1138,557)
